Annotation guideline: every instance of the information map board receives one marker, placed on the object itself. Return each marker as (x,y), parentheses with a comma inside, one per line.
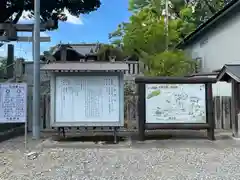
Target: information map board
(13,102)
(175,103)
(87,99)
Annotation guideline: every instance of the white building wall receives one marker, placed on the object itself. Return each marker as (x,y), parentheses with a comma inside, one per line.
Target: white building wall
(219,47)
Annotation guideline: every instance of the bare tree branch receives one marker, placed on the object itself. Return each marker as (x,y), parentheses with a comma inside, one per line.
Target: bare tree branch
(212,9)
(18,16)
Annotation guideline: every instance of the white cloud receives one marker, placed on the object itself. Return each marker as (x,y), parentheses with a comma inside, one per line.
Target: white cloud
(27,18)
(72,19)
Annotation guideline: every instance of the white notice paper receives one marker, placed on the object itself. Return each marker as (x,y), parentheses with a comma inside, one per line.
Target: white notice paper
(13,102)
(87,99)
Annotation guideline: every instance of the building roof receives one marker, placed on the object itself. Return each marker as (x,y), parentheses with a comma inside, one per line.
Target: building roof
(81,49)
(228,11)
(85,49)
(86,66)
(228,72)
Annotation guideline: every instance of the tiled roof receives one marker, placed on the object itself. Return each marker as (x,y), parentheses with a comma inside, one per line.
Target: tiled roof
(83,49)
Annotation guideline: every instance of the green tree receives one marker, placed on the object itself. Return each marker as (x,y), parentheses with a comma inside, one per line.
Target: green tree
(145,33)
(145,36)
(50,9)
(203,9)
(3,67)
(170,63)
(50,51)
(146,30)
(107,50)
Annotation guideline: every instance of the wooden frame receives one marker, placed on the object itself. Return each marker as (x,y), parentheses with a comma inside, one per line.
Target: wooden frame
(53,122)
(210,123)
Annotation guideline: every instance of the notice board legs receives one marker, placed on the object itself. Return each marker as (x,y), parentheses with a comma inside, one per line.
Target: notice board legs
(141,135)
(141,111)
(210,134)
(141,131)
(63,131)
(115,135)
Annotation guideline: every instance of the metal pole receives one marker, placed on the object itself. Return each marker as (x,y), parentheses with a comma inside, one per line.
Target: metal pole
(25,135)
(166,24)
(36,71)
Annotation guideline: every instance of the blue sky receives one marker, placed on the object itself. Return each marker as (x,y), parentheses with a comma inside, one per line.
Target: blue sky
(90,28)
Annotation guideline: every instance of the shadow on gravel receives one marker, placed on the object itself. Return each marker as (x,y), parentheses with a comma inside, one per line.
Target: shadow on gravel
(11,132)
(186,134)
(154,139)
(156,135)
(150,135)
(106,139)
(174,135)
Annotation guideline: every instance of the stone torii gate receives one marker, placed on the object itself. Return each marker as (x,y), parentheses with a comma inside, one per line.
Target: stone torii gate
(10,34)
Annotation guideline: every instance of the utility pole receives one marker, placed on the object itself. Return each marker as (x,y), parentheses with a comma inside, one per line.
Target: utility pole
(166,24)
(36,71)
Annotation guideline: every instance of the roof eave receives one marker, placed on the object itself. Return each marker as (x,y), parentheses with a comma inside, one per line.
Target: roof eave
(89,66)
(227,73)
(221,74)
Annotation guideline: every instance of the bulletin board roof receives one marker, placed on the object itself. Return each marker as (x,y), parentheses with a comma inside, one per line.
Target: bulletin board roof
(229,71)
(180,80)
(86,66)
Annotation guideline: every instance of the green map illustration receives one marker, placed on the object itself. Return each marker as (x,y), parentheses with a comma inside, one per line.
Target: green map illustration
(153,94)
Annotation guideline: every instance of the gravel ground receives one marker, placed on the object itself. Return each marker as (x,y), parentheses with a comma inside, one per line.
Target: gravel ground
(153,160)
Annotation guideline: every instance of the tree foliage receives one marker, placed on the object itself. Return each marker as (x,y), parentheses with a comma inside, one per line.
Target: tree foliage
(170,63)
(146,30)
(3,63)
(145,33)
(50,51)
(107,50)
(203,9)
(4,66)
(11,10)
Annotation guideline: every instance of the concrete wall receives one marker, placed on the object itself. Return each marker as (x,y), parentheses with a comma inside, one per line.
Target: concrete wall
(29,73)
